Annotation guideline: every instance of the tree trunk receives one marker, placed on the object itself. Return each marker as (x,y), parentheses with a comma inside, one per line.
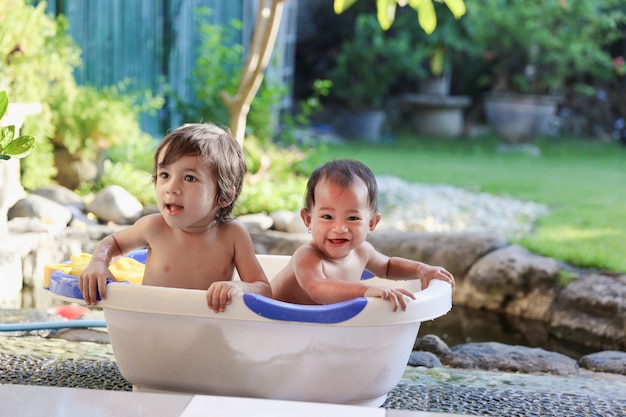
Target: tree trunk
(266,27)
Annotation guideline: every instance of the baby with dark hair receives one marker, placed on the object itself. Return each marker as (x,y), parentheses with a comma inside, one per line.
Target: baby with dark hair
(340,211)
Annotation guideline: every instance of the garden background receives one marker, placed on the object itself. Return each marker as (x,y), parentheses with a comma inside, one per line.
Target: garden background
(114,76)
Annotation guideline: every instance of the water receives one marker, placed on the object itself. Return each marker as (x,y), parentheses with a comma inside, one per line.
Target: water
(465,325)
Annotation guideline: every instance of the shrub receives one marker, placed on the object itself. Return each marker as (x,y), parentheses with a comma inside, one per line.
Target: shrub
(276,180)
(37,52)
(88,121)
(38,55)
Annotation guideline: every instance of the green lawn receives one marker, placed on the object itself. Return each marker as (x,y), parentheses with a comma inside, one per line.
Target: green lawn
(582,182)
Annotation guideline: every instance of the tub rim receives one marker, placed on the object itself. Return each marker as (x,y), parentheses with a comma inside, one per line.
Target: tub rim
(430,303)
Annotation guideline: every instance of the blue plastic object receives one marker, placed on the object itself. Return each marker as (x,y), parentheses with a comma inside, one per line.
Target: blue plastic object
(329,313)
(51,325)
(367,274)
(67,285)
(140,255)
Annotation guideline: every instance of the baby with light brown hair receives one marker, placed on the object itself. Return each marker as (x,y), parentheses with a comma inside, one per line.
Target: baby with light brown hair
(192,242)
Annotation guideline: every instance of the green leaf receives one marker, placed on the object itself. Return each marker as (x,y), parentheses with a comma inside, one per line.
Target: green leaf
(4,103)
(386,13)
(20,147)
(7,133)
(4,157)
(341,6)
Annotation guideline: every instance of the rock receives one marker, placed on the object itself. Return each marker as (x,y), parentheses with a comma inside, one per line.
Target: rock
(457,252)
(278,243)
(47,212)
(61,195)
(592,309)
(115,204)
(88,237)
(282,219)
(28,253)
(257,221)
(83,335)
(610,361)
(511,275)
(297,225)
(433,344)
(150,209)
(496,356)
(427,359)
(80,219)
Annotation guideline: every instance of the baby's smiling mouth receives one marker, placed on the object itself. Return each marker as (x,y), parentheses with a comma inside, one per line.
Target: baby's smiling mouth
(337,241)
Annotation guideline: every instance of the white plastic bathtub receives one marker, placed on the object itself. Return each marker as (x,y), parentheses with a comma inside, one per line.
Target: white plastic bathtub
(353,352)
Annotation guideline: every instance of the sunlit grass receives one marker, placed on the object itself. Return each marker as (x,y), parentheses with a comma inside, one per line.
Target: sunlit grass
(582,182)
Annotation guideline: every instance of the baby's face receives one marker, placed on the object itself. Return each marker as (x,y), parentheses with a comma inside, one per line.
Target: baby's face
(185,192)
(341,218)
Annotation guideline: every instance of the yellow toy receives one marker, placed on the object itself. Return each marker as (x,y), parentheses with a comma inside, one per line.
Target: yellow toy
(123,269)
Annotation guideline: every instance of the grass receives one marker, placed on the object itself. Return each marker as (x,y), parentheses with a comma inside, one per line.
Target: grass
(581,181)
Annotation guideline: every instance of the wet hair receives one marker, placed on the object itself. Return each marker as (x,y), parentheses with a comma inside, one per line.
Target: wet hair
(220,153)
(342,172)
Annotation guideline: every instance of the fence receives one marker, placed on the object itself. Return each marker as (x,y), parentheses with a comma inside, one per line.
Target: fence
(153,43)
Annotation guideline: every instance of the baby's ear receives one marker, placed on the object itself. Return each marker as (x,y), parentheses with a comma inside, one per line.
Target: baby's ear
(374,220)
(306,217)
(225,201)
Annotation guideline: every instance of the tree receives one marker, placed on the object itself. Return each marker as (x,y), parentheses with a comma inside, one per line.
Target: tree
(267,23)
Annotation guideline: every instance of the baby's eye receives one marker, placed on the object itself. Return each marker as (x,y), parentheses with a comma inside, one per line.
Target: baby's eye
(163,175)
(190,178)
(326,217)
(353,218)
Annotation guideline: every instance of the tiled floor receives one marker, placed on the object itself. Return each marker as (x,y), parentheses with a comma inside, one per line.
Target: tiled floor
(35,401)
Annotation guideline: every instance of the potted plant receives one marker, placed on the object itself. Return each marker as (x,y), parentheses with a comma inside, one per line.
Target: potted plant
(532,53)
(429,108)
(366,67)
(439,48)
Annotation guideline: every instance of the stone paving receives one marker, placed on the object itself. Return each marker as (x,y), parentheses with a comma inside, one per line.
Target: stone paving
(36,358)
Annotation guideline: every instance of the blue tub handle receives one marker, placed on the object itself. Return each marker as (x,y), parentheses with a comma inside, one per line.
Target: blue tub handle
(325,314)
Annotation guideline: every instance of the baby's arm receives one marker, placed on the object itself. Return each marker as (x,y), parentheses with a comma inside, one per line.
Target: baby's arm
(397,268)
(326,290)
(394,295)
(93,278)
(401,268)
(221,293)
(321,288)
(253,279)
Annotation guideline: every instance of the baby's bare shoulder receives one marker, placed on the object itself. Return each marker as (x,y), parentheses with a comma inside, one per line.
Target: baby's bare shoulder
(154,222)
(233,230)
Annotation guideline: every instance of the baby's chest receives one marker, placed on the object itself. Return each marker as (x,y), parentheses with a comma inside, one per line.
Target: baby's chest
(188,270)
(348,271)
